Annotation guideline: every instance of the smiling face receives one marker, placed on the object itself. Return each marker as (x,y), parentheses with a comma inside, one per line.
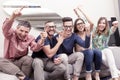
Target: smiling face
(50,28)
(80,26)
(102,25)
(22,32)
(68,27)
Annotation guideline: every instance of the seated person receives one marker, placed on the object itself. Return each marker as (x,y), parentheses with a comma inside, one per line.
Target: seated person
(15,61)
(46,65)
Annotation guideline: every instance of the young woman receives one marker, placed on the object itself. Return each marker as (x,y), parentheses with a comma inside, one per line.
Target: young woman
(90,55)
(100,41)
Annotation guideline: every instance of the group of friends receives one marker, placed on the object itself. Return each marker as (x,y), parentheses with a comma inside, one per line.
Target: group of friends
(78,43)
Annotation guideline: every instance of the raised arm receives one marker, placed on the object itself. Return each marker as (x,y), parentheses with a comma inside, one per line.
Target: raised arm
(115,26)
(7,30)
(16,13)
(88,19)
(37,45)
(51,51)
(76,12)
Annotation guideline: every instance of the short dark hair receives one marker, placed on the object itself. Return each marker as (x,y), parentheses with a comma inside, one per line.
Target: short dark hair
(65,19)
(48,22)
(24,23)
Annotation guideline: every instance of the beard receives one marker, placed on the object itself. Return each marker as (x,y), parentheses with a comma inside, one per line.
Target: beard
(49,34)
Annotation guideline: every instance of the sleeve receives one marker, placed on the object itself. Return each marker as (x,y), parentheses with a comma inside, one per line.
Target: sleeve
(7,30)
(81,42)
(46,42)
(37,39)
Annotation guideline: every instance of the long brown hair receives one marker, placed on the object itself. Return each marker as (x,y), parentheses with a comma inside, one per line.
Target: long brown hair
(106,30)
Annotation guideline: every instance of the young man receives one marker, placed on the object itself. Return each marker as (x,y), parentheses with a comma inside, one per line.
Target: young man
(70,39)
(15,61)
(45,59)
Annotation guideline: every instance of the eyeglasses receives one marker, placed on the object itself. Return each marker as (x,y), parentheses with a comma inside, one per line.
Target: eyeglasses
(80,23)
(66,27)
(51,26)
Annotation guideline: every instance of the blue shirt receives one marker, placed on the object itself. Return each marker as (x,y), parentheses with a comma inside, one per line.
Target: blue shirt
(66,47)
(40,54)
(69,43)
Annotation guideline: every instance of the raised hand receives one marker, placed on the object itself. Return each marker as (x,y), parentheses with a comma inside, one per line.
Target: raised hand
(17,13)
(115,23)
(43,35)
(60,38)
(79,7)
(75,10)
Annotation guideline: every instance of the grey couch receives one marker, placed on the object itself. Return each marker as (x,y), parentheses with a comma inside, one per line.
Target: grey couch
(104,69)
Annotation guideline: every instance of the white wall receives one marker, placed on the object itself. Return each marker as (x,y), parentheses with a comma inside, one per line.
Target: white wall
(94,9)
(2,17)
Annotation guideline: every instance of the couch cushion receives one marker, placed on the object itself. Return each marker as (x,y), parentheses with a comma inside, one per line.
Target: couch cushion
(4,76)
(104,70)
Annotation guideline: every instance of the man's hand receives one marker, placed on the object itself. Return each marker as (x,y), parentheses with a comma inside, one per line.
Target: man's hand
(115,26)
(16,13)
(60,38)
(43,35)
(57,60)
(115,23)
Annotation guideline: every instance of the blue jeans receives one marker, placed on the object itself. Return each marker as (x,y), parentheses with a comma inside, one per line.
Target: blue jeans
(97,58)
(90,56)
